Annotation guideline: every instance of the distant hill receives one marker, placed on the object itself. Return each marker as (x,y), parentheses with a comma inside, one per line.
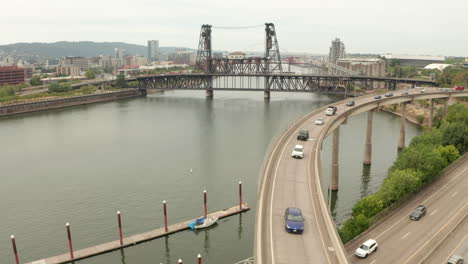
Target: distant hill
(80,48)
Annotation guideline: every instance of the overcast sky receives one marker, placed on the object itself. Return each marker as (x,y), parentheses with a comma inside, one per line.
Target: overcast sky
(433,27)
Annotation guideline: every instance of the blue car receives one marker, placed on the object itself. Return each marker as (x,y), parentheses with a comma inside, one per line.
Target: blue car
(293,220)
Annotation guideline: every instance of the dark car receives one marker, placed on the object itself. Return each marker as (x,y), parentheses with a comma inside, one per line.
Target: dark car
(303,135)
(377,97)
(418,212)
(389,94)
(455,260)
(350,103)
(294,222)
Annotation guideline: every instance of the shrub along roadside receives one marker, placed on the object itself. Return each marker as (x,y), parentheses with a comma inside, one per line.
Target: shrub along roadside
(416,166)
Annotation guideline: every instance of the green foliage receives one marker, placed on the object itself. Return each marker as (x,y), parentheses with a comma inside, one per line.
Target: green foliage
(120,82)
(90,74)
(36,80)
(452,76)
(7,91)
(456,134)
(420,119)
(59,87)
(417,165)
(133,84)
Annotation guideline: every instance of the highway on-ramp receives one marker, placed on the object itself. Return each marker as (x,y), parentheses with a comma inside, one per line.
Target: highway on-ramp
(287,182)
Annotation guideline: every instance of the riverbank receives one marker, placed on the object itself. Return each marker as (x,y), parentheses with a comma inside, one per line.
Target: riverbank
(53,103)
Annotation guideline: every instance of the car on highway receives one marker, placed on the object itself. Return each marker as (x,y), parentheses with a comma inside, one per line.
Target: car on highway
(294,222)
(331,110)
(455,259)
(298,152)
(303,135)
(319,122)
(423,91)
(388,94)
(418,212)
(377,97)
(350,103)
(458,88)
(366,248)
(405,92)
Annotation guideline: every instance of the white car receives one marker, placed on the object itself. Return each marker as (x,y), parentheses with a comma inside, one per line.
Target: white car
(331,110)
(298,152)
(319,122)
(366,248)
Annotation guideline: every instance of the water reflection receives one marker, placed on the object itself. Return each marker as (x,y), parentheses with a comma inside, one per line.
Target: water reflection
(122,256)
(239,229)
(167,255)
(365,179)
(333,195)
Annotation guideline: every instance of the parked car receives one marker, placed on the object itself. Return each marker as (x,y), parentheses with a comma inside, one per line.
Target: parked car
(455,259)
(303,135)
(294,222)
(388,94)
(366,248)
(377,97)
(298,152)
(319,122)
(418,212)
(459,88)
(331,110)
(350,103)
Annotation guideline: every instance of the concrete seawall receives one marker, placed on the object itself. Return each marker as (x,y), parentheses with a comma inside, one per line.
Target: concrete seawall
(66,102)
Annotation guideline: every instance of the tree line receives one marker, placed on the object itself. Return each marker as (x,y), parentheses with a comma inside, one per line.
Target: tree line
(417,165)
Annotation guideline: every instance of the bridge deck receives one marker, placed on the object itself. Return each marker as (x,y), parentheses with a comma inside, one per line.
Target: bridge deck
(133,240)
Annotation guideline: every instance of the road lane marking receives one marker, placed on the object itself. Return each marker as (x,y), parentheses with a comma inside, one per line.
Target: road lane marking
(448,222)
(435,211)
(455,193)
(404,217)
(373,261)
(458,245)
(406,235)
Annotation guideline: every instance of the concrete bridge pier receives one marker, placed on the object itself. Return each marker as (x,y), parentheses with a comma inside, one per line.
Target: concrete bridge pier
(266,95)
(335,164)
(209,93)
(401,142)
(431,114)
(368,148)
(446,104)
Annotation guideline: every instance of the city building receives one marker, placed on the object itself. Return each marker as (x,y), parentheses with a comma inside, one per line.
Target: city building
(368,67)
(153,50)
(182,57)
(120,56)
(236,55)
(81,62)
(11,75)
(337,51)
(9,61)
(438,66)
(411,60)
(63,70)
(465,64)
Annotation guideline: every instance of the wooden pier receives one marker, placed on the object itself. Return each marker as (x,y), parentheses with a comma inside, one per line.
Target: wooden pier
(135,239)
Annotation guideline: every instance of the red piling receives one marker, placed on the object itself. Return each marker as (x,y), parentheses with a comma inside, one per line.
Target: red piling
(204,202)
(13,242)
(165,216)
(120,227)
(199,259)
(70,244)
(240,195)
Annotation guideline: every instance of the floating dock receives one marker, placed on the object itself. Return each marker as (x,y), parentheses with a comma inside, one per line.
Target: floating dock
(135,239)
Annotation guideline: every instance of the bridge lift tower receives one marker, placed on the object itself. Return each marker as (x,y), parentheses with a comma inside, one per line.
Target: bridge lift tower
(271,63)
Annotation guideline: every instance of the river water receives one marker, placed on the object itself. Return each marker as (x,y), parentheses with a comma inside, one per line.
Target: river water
(82,164)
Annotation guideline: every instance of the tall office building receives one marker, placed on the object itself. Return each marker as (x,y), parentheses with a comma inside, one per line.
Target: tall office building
(153,50)
(120,56)
(337,51)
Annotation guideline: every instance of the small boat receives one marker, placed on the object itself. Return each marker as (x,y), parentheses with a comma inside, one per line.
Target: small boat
(202,222)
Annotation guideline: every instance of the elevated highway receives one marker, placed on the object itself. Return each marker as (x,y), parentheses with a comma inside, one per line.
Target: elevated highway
(286,182)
